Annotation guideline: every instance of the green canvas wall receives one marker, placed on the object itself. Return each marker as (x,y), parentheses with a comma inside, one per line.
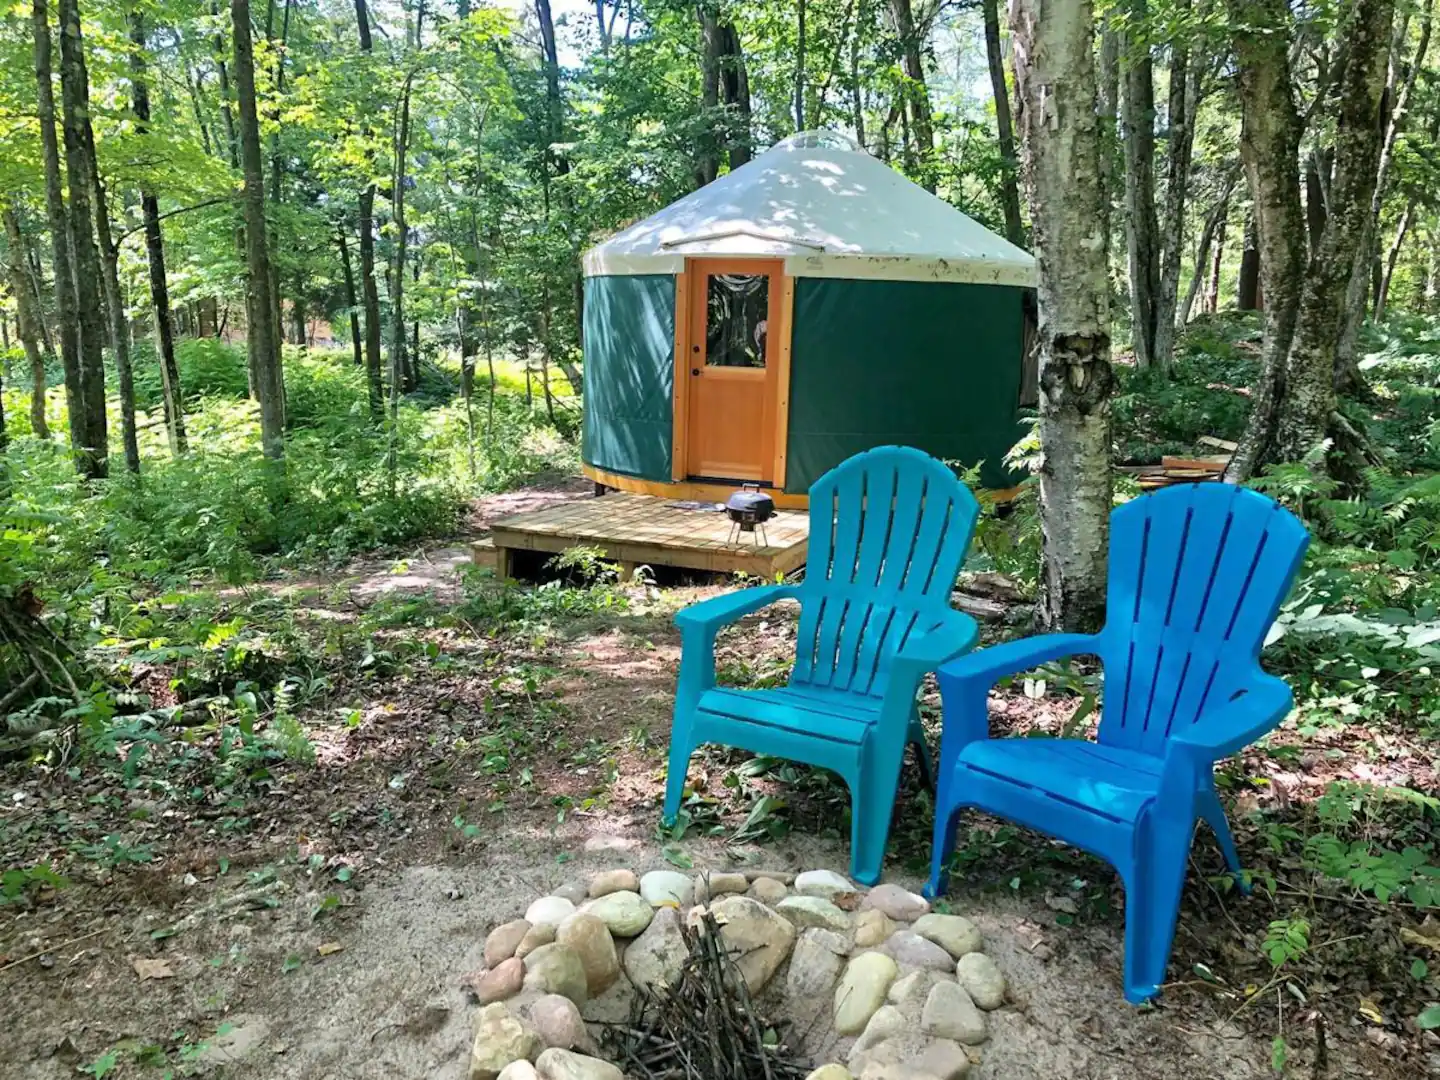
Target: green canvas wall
(926,364)
(629,344)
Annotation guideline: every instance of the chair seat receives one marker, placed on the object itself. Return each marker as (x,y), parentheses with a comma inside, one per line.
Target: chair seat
(838,717)
(1104,780)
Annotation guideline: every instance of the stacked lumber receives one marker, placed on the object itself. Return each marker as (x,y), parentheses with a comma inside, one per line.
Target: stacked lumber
(1177,469)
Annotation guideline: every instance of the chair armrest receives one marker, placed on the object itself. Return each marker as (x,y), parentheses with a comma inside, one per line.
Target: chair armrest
(954,635)
(994,663)
(720,611)
(1230,726)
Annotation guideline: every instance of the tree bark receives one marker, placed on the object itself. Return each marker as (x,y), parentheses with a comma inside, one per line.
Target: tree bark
(119,325)
(27,320)
(261,330)
(735,92)
(707,165)
(155,253)
(369,289)
(1317,178)
(1055,84)
(1269,148)
(916,92)
(1109,131)
(1247,288)
(222,70)
(857,92)
(1183,102)
(1141,227)
(799,65)
(1307,410)
(351,304)
(1009,179)
(398,366)
(1212,289)
(85,258)
(58,215)
(1382,297)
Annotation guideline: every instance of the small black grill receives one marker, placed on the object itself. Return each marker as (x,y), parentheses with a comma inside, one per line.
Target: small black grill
(748,510)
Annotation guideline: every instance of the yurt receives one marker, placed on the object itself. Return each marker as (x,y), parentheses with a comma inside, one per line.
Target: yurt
(811,304)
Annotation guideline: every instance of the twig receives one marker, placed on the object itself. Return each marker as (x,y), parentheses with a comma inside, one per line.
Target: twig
(25,684)
(53,948)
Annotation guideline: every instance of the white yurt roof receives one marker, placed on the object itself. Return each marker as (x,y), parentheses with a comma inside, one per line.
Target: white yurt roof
(827,208)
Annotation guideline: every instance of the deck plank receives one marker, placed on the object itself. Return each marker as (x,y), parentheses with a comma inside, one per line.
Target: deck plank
(646,529)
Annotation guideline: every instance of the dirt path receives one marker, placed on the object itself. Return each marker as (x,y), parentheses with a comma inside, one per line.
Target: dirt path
(320,927)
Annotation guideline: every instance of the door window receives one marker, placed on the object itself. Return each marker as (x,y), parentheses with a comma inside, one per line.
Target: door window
(737,320)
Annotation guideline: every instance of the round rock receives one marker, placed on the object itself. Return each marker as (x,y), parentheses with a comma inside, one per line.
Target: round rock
(549,911)
(822,883)
(885,1024)
(557,1020)
(536,936)
(667,888)
(624,913)
(556,969)
(895,902)
(768,891)
(519,1070)
(500,982)
(656,956)
(812,911)
(502,942)
(572,891)
(862,991)
(719,883)
(954,934)
(950,1014)
(591,940)
(872,926)
(814,967)
(758,938)
(500,1038)
(982,979)
(557,1064)
(612,881)
(830,1072)
(910,950)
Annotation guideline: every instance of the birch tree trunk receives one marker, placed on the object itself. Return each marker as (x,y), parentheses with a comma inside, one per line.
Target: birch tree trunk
(58,216)
(27,320)
(155,254)
(263,334)
(85,258)
(369,290)
(1307,413)
(1212,224)
(1141,227)
(1109,131)
(1005,132)
(1269,148)
(1055,83)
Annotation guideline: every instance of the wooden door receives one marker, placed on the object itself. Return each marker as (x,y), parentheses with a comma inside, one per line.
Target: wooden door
(732,369)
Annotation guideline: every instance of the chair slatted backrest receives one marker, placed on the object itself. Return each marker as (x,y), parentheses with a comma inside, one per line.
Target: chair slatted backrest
(1197,575)
(889,529)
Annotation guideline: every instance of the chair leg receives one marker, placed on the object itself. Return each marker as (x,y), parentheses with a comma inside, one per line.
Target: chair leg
(681,747)
(1153,886)
(873,790)
(1214,815)
(942,846)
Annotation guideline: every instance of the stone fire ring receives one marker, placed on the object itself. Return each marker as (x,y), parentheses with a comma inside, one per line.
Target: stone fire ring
(871,978)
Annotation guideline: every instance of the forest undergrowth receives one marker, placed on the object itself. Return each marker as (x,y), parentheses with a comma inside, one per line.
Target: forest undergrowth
(233,685)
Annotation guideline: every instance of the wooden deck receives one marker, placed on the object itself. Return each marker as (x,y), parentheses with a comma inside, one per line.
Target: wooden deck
(639,530)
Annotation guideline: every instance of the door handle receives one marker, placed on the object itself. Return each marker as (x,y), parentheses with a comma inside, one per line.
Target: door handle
(694,371)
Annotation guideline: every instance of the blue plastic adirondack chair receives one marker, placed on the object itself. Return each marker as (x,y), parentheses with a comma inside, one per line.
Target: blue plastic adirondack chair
(888,532)
(1197,574)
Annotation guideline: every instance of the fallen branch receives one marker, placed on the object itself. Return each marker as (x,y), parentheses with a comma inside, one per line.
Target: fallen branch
(52,948)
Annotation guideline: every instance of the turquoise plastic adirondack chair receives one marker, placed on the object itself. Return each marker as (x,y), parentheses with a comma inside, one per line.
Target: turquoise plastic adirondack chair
(888,532)
(1197,574)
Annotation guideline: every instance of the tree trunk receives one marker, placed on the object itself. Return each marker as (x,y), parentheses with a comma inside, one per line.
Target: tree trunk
(369,289)
(1212,289)
(155,254)
(262,332)
(350,300)
(1009,179)
(222,70)
(857,92)
(1308,407)
(1247,288)
(1184,100)
(85,258)
(1348,378)
(1109,132)
(917,93)
(707,164)
(799,65)
(1141,227)
(398,367)
(277,163)
(119,326)
(735,92)
(1269,147)
(1055,83)
(1213,223)
(1317,178)
(1382,297)
(27,321)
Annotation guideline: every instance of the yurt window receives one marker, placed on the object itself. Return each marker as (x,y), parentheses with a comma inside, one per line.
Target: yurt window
(737,317)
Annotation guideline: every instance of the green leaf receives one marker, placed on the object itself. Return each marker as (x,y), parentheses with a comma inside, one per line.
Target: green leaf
(1429,1020)
(1419,969)
(1279,1053)
(103,1065)
(676,856)
(345,873)
(292,962)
